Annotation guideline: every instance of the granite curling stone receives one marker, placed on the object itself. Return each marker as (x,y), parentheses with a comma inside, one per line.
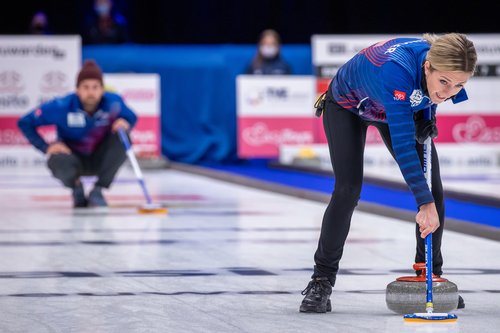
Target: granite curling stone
(408,293)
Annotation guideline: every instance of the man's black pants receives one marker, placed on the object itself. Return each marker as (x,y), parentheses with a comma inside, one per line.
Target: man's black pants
(104,163)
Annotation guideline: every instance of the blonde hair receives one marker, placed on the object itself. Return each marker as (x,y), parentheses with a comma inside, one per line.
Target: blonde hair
(452,52)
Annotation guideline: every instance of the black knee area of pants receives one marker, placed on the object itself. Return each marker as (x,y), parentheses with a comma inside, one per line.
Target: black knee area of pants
(65,167)
(347,194)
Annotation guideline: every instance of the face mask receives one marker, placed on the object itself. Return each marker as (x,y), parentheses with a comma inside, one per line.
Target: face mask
(38,28)
(102,9)
(268,51)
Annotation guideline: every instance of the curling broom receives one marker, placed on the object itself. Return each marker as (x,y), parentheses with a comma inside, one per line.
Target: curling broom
(429,315)
(149,207)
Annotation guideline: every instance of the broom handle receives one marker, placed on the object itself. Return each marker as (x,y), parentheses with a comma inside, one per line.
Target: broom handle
(427,166)
(133,161)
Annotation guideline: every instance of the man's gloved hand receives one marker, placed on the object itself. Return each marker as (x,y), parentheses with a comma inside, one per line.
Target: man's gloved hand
(424,127)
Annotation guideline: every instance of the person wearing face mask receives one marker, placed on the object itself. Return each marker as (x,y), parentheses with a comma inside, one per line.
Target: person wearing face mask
(39,24)
(268,60)
(387,85)
(105,25)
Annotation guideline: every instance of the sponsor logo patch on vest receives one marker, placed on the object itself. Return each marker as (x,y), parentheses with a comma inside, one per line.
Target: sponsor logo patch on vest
(399,95)
(416,97)
(76,119)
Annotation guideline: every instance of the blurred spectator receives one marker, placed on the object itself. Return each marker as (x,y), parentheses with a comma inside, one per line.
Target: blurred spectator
(105,25)
(39,24)
(268,60)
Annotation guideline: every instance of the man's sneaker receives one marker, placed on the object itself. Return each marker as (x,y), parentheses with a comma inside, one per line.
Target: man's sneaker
(317,296)
(79,199)
(96,199)
(461,303)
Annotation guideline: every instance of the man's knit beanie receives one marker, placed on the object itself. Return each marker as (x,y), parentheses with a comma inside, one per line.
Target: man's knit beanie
(90,70)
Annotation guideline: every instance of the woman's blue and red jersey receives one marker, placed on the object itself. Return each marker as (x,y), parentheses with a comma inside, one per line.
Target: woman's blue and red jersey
(384,82)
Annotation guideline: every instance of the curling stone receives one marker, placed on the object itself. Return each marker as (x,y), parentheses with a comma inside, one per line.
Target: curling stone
(408,293)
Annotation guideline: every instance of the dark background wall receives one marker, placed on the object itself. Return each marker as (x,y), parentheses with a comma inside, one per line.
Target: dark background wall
(240,22)
(198,108)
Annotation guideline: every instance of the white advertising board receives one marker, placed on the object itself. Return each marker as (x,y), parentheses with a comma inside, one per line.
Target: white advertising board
(33,69)
(273,110)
